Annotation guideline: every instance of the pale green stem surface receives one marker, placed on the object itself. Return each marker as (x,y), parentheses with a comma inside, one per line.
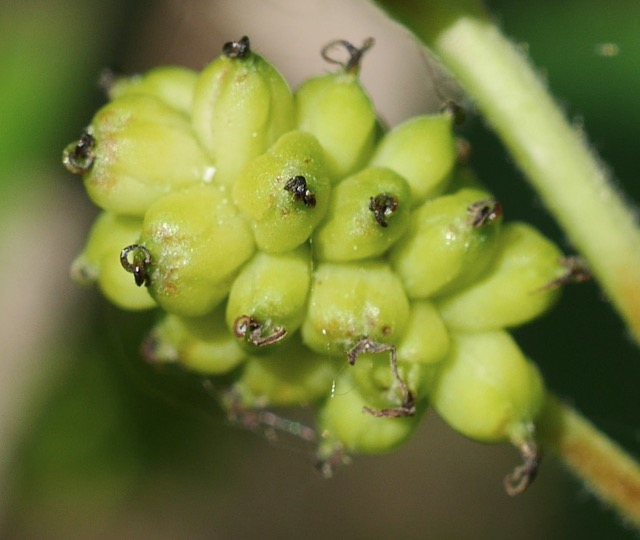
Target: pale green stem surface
(574,186)
(553,155)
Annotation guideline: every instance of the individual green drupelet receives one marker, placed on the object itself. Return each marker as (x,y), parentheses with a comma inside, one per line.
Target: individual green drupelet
(291,375)
(241,106)
(344,426)
(298,256)
(284,193)
(351,301)
(451,241)
(369,211)
(515,290)
(423,151)
(270,292)
(197,241)
(337,110)
(97,264)
(173,85)
(136,150)
(200,344)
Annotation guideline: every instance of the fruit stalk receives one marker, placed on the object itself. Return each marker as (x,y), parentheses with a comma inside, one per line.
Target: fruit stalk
(553,155)
(607,470)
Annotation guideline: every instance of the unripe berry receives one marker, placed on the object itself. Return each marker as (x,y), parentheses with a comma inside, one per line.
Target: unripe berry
(352,301)
(273,290)
(290,375)
(140,149)
(241,106)
(486,389)
(426,338)
(513,290)
(449,243)
(423,151)
(344,425)
(392,380)
(202,344)
(336,109)
(369,211)
(99,261)
(391,390)
(197,240)
(173,85)
(285,192)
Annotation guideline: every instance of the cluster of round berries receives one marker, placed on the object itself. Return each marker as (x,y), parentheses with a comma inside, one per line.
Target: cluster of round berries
(301,254)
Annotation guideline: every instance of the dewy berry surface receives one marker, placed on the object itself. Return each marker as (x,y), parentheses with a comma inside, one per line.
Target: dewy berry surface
(299,255)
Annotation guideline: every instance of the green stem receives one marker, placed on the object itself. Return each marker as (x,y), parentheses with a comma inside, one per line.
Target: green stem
(606,469)
(554,156)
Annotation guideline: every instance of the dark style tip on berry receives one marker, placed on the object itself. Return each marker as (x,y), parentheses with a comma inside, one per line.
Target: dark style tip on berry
(257,333)
(237,49)
(354,59)
(79,156)
(298,187)
(484,212)
(139,265)
(577,271)
(383,207)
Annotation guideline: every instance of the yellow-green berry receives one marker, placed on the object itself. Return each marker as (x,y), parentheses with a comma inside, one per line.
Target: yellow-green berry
(345,426)
(201,344)
(241,105)
(486,388)
(290,375)
(285,192)
(271,290)
(197,241)
(136,150)
(337,110)
(451,241)
(173,85)
(514,289)
(352,301)
(369,211)
(99,261)
(423,151)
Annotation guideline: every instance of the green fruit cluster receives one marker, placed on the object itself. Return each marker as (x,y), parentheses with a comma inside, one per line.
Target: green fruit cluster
(298,254)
